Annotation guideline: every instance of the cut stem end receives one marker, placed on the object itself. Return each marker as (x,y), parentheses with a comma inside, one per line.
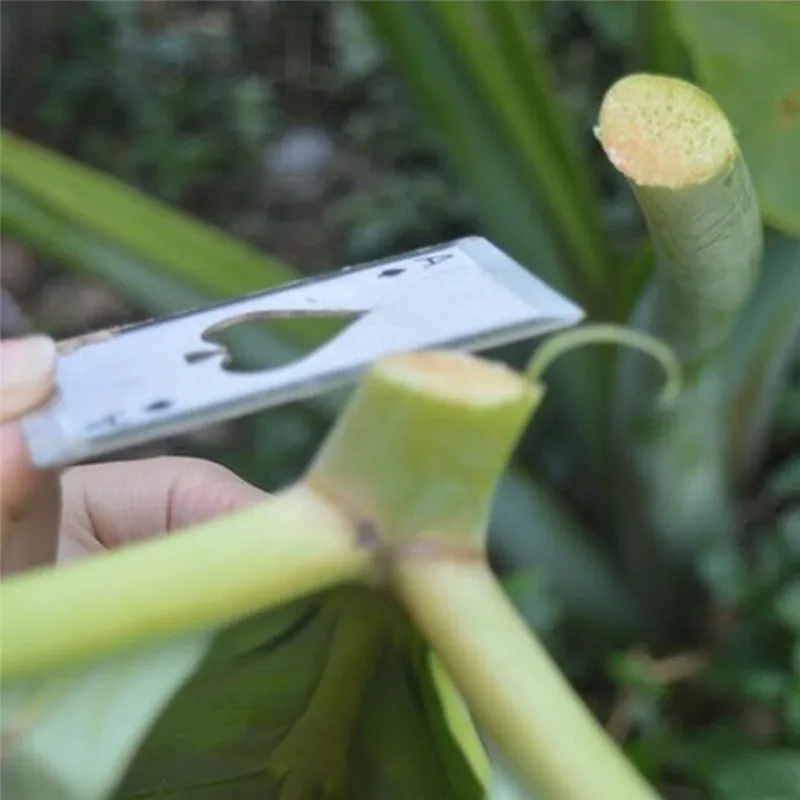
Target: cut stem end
(660,131)
(415,419)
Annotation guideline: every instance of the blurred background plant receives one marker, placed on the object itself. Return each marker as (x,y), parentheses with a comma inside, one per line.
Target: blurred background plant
(328,133)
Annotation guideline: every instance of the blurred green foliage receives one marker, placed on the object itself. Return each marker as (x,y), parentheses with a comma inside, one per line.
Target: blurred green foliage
(149,125)
(478,117)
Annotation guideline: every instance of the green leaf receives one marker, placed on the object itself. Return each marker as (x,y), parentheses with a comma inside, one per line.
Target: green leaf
(217,739)
(214,739)
(700,753)
(50,231)
(153,230)
(615,21)
(787,606)
(399,751)
(531,593)
(462,752)
(72,734)
(760,352)
(659,47)
(500,55)
(795,657)
(791,711)
(509,207)
(787,413)
(745,55)
(153,247)
(783,485)
(771,775)
(531,528)
(724,570)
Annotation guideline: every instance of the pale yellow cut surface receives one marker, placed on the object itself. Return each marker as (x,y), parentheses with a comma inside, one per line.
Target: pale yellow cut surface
(661,131)
(459,376)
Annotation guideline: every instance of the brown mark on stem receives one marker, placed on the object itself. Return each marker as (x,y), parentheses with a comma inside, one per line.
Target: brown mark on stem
(789,108)
(368,537)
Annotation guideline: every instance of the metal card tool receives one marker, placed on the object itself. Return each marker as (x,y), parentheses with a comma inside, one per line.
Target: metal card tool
(146,381)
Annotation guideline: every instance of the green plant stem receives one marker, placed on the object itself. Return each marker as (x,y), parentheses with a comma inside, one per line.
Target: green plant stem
(419,450)
(511,685)
(401,490)
(220,571)
(679,154)
(416,458)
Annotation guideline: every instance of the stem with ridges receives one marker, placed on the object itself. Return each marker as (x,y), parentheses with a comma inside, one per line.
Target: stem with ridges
(511,685)
(433,433)
(415,461)
(679,154)
(286,547)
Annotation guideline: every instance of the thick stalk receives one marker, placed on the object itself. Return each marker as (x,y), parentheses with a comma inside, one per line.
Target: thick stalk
(678,152)
(417,454)
(416,459)
(511,685)
(288,546)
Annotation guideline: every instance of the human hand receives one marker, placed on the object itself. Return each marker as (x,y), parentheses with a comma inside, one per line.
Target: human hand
(45,516)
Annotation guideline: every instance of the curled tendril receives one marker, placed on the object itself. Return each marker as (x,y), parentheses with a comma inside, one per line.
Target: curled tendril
(557,345)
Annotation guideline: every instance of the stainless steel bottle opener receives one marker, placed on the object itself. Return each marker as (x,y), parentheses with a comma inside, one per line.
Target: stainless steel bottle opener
(125,387)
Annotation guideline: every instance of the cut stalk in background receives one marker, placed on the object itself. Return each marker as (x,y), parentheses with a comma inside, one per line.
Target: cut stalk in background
(678,152)
(401,491)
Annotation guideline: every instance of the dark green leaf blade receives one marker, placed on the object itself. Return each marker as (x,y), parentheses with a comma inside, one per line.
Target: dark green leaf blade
(218,738)
(162,258)
(773,775)
(760,353)
(745,55)
(185,247)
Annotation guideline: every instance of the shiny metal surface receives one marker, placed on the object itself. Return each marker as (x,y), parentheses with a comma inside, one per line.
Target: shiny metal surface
(126,387)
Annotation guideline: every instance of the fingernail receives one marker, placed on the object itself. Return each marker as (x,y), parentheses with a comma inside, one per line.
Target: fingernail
(26,368)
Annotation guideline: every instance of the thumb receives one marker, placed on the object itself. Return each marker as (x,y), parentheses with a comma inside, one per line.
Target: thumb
(27,372)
